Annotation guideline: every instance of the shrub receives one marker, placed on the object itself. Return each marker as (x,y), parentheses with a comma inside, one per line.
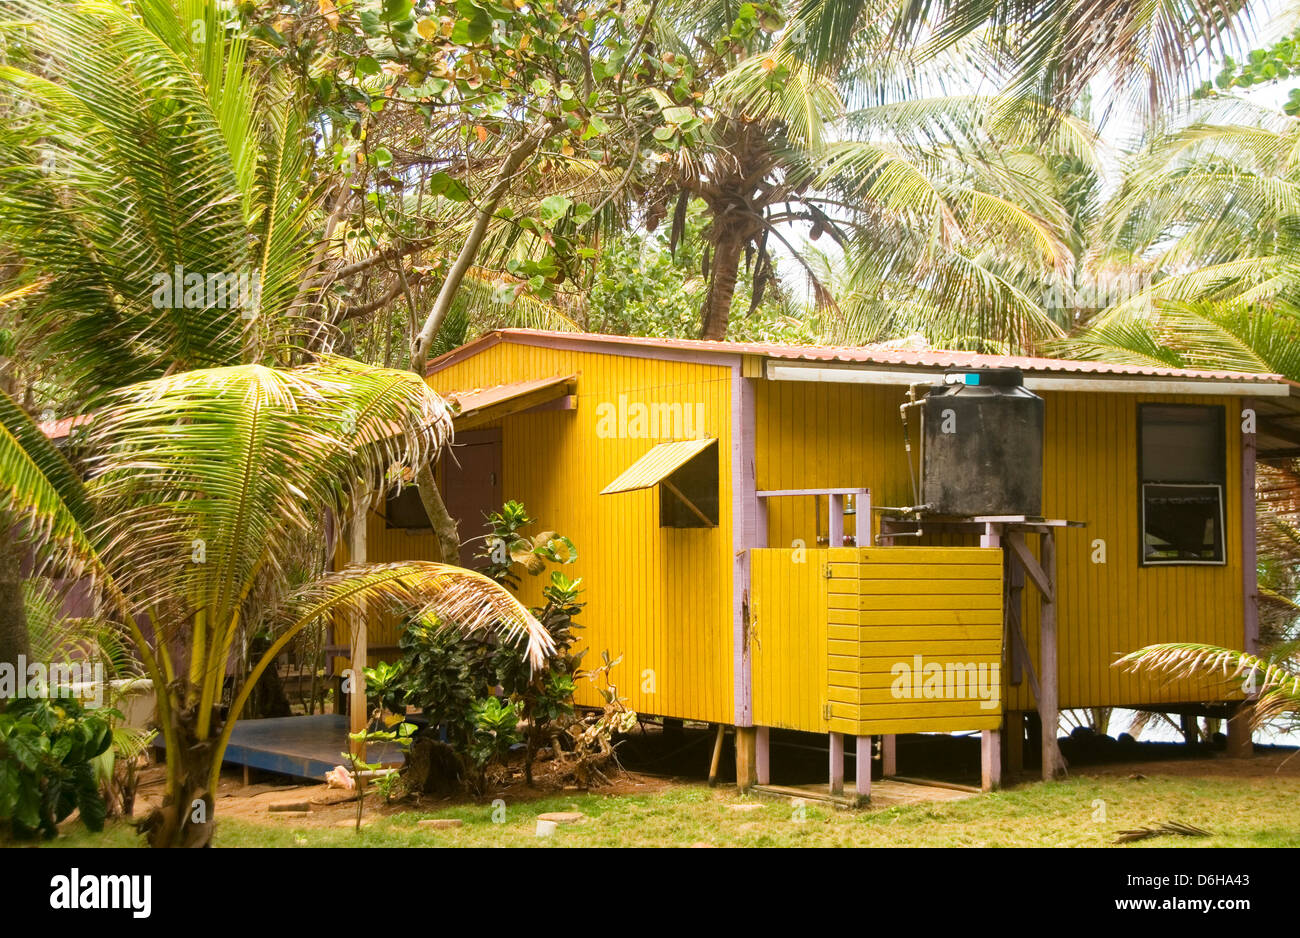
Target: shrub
(47,748)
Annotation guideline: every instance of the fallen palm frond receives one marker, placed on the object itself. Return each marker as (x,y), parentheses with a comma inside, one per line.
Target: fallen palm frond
(1168,827)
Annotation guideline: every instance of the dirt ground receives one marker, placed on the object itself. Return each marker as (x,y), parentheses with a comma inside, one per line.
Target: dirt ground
(328,807)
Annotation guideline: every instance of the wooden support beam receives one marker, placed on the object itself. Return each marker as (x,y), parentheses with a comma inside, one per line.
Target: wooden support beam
(835,525)
(862,770)
(1019,638)
(1042,579)
(1048,702)
(716,762)
(1187,723)
(990,760)
(889,755)
(1017,652)
(568,402)
(746,757)
(763,756)
(708,522)
(837,763)
(358,713)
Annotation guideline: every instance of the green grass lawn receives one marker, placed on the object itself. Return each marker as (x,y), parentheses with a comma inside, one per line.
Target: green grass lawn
(1081,812)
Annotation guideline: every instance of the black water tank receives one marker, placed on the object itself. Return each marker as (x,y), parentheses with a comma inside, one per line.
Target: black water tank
(982,445)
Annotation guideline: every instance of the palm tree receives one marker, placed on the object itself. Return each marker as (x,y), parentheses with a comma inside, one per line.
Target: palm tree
(964,221)
(140,148)
(203,520)
(955,210)
(1207,217)
(749,128)
(1052,49)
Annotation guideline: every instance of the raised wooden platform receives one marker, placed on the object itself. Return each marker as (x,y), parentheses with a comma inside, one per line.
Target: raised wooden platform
(302,747)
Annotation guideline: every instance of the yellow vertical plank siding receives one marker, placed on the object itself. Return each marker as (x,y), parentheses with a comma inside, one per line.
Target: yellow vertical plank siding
(830,435)
(787,634)
(658,597)
(1111,608)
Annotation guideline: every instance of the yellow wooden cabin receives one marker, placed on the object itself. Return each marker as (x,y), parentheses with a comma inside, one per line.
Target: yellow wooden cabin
(747,526)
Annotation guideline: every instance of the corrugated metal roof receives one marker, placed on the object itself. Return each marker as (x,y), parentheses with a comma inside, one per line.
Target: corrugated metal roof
(884,355)
(658,464)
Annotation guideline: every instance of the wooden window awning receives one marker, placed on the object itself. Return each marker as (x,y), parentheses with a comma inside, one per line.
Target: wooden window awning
(657,465)
(480,406)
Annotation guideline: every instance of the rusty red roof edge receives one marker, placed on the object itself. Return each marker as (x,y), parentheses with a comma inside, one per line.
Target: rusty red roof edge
(863,355)
(58,429)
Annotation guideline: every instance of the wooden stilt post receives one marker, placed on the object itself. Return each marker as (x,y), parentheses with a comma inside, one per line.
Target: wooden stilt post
(1187,722)
(889,755)
(990,760)
(716,762)
(837,763)
(746,757)
(1013,744)
(1049,705)
(763,756)
(862,771)
(358,713)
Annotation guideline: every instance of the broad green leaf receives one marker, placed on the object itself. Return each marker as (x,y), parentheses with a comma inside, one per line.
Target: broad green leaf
(553,208)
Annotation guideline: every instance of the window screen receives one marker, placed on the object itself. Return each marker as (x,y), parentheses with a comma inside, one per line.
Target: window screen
(1182,477)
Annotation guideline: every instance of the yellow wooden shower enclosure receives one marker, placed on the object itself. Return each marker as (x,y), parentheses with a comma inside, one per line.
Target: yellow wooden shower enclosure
(879,640)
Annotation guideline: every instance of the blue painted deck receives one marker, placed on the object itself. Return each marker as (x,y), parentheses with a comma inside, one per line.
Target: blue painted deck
(303,747)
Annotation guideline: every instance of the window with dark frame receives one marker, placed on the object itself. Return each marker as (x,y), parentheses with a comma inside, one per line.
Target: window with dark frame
(689,497)
(1182,474)
(405,510)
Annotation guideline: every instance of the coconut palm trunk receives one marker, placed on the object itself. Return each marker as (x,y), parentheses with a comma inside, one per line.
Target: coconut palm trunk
(14,639)
(727,248)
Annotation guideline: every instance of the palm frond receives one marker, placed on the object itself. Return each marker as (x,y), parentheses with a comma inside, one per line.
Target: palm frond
(1273,685)
(461,600)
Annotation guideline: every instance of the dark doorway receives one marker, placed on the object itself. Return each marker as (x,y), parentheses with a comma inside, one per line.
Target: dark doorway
(471,479)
